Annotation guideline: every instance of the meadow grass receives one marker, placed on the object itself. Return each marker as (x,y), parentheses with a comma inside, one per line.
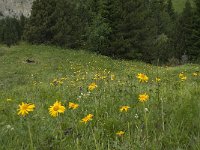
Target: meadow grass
(170,119)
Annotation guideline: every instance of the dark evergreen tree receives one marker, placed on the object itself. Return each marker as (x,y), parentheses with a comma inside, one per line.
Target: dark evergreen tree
(162,25)
(38,28)
(99,28)
(184,31)
(194,52)
(170,10)
(9,31)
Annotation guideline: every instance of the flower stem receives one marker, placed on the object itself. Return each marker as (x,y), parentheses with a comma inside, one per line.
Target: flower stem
(30,136)
(146,121)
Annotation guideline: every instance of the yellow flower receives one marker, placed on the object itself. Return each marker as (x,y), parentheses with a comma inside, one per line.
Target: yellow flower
(87,118)
(142,77)
(25,108)
(92,86)
(120,133)
(195,74)
(56,109)
(182,76)
(158,79)
(73,105)
(143,97)
(112,77)
(124,108)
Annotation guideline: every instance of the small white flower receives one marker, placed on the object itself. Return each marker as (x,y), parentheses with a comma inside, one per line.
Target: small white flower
(136,116)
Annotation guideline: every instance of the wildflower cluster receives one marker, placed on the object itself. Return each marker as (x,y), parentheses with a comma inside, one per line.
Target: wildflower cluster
(57,82)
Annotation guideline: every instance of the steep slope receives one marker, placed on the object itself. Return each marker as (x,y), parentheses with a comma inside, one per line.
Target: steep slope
(15,7)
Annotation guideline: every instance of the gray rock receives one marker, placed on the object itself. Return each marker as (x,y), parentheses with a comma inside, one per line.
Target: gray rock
(15,8)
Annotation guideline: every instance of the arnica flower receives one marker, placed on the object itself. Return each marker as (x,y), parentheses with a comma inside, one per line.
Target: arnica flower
(158,79)
(195,74)
(143,97)
(112,77)
(25,108)
(142,77)
(120,133)
(124,108)
(182,76)
(87,118)
(73,105)
(92,86)
(56,109)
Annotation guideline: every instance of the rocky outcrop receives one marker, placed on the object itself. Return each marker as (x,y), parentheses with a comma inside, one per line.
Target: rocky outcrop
(15,8)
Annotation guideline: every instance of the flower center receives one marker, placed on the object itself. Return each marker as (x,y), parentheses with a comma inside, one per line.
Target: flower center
(55,108)
(24,107)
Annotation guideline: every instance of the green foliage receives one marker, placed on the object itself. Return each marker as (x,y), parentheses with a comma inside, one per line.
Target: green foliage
(10,31)
(38,27)
(130,29)
(194,52)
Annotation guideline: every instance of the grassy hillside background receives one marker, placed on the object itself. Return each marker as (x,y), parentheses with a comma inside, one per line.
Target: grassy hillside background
(180,4)
(168,120)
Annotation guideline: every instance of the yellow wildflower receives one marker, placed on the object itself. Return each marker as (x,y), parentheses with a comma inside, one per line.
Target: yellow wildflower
(87,118)
(143,97)
(25,108)
(158,79)
(124,108)
(73,105)
(112,77)
(182,76)
(142,77)
(92,86)
(195,74)
(56,109)
(120,133)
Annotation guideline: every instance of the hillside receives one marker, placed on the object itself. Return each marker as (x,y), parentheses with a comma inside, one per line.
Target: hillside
(111,111)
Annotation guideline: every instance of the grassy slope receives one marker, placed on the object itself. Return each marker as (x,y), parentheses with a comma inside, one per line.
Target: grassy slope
(173,117)
(179,5)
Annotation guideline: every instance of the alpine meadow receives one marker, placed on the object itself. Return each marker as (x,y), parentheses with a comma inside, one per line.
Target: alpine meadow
(100,75)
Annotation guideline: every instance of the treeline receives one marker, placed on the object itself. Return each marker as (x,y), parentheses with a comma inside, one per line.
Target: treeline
(11,30)
(130,29)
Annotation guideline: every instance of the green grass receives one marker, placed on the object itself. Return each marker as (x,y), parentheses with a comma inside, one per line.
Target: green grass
(180,4)
(171,122)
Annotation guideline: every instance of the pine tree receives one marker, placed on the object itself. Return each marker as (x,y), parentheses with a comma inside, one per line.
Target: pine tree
(170,10)
(38,28)
(194,52)
(9,31)
(185,30)
(162,34)
(99,30)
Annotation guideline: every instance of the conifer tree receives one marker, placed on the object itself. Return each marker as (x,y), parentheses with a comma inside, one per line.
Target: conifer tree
(38,28)
(185,31)
(171,10)
(9,31)
(194,52)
